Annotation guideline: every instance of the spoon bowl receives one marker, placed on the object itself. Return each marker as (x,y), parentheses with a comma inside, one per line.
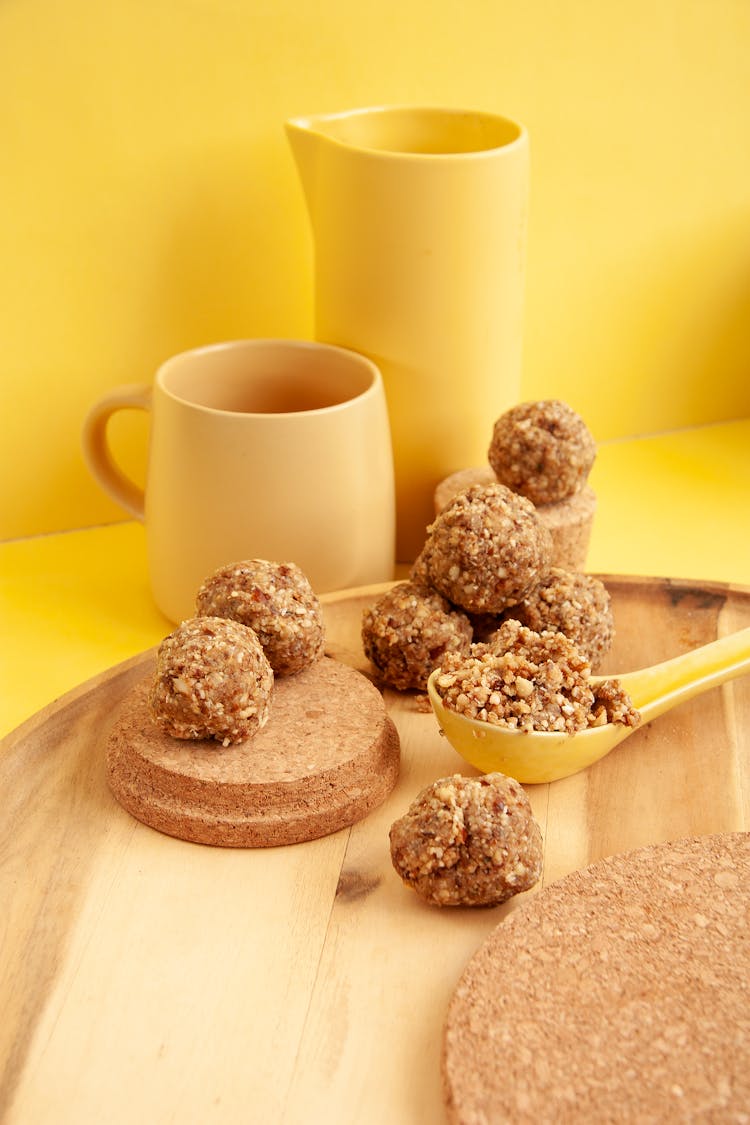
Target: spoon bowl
(532,757)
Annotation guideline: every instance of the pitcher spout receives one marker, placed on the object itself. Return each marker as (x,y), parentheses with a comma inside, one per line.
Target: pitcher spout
(310,135)
(305,138)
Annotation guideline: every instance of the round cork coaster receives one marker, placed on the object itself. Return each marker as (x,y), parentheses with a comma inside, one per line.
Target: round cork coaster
(619,993)
(327,756)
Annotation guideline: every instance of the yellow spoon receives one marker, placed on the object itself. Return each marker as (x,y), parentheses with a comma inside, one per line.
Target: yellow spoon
(539,756)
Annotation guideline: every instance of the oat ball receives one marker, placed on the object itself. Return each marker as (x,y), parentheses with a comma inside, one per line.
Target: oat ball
(531,681)
(569,602)
(418,573)
(274,599)
(543,450)
(212,680)
(486,550)
(468,841)
(407,632)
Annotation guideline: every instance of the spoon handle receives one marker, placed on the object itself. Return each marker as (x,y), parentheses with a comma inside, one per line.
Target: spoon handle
(654,690)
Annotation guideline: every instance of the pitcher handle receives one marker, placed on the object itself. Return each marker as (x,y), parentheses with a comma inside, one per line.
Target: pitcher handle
(96,451)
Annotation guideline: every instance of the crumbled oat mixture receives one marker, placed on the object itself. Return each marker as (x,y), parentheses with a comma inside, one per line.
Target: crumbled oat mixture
(408,631)
(573,603)
(274,599)
(468,841)
(531,681)
(486,550)
(611,696)
(543,450)
(212,681)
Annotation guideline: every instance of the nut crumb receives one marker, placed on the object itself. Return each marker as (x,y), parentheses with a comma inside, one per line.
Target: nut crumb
(492,684)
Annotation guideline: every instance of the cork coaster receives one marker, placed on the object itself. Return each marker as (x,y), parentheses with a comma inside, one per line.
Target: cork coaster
(619,993)
(457,482)
(327,756)
(569,522)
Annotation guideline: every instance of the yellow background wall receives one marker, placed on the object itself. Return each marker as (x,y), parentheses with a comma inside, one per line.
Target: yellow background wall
(149,201)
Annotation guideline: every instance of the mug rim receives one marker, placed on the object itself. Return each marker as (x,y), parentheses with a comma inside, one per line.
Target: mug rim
(279,344)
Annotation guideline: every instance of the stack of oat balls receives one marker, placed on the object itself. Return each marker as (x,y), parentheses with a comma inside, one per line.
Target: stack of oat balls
(498,602)
(495,552)
(254,620)
(543,451)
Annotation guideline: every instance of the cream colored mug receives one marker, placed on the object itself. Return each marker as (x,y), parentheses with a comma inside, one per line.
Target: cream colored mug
(275,449)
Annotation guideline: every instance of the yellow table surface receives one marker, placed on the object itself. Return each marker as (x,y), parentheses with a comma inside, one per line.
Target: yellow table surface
(74,604)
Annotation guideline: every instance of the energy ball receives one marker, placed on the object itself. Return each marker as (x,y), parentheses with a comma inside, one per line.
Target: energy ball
(569,602)
(468,841)
(569,521)
(486,550)
(543,450)
(212,681)
(408,631)
(531,681)
(418,573)
(274,599)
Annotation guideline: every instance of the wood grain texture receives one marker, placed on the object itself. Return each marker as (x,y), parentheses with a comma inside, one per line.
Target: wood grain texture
(146,978)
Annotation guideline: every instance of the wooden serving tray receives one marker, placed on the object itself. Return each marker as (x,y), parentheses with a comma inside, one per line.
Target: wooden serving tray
(146,978)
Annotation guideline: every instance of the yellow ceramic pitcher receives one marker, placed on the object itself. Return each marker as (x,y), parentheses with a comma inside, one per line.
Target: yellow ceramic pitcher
(419,228)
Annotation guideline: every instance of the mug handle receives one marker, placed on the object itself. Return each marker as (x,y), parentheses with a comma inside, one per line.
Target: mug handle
(96,451)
